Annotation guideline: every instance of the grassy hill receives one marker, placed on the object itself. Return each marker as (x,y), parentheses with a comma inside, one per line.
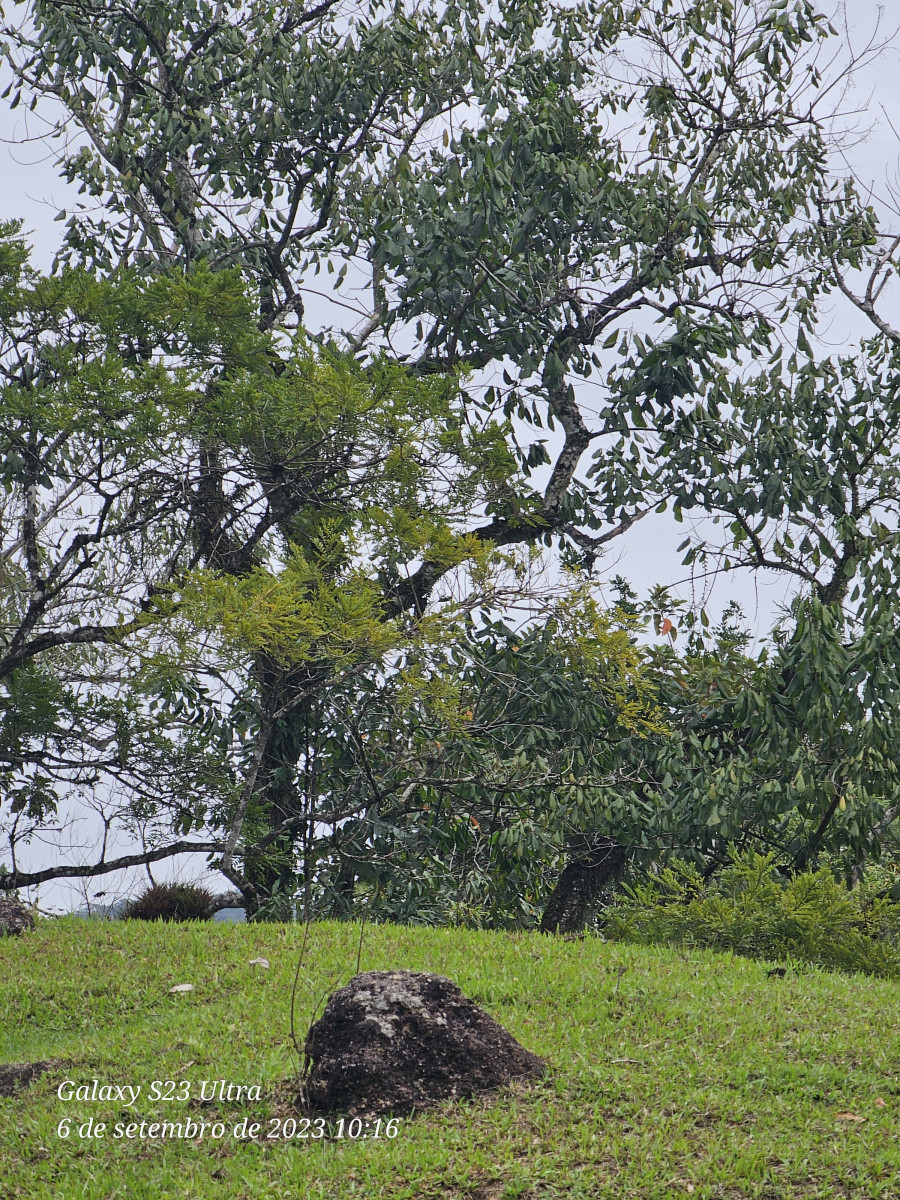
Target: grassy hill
(673,1074)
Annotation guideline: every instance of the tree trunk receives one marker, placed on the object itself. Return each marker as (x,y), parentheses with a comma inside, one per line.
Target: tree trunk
(576,896)
(272,872)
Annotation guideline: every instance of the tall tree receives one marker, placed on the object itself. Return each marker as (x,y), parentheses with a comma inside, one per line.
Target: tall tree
(152,439)
(523,194)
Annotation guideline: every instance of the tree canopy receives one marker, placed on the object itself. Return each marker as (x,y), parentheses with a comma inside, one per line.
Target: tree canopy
(585,250)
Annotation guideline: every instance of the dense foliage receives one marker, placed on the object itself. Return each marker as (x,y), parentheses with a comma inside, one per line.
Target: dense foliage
(135,594)
(751,909)
(465,780)
(790,750)
(277,582)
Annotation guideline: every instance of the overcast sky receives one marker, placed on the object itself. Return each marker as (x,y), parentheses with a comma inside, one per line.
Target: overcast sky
(32,189)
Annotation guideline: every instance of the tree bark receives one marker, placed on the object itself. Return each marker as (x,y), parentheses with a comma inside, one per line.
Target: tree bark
(576,896)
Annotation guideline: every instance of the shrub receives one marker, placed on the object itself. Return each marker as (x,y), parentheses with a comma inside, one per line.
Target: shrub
(751,909)
(170,902)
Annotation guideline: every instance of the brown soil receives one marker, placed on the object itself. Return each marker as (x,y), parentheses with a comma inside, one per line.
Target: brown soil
(18,1075)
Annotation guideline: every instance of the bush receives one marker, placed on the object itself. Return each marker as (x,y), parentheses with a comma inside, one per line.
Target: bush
(751,909)
(170,902)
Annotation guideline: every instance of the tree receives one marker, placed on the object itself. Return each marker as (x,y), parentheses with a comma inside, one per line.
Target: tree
(91,434)
(532,240)
(800,461)
(152,438)
(789,751)
(473,172)
(455,787)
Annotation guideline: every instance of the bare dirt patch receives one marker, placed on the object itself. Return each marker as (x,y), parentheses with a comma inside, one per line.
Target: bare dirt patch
(14,1076)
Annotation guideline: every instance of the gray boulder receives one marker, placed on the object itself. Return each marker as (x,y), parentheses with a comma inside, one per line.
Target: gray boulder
(395,1042)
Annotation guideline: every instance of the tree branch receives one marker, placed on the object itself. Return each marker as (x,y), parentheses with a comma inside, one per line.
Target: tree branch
(12,880)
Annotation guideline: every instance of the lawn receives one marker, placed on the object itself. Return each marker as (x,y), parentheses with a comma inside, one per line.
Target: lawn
(673,1074)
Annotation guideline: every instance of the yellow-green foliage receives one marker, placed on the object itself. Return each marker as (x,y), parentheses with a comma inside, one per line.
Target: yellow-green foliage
(376,469)
(293,615)
(602,648)
(589,643)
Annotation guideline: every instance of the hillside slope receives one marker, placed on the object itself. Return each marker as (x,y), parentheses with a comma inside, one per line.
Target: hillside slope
(673,1074)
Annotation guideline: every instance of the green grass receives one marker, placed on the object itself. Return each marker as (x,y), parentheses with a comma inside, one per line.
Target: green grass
(674,1073)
